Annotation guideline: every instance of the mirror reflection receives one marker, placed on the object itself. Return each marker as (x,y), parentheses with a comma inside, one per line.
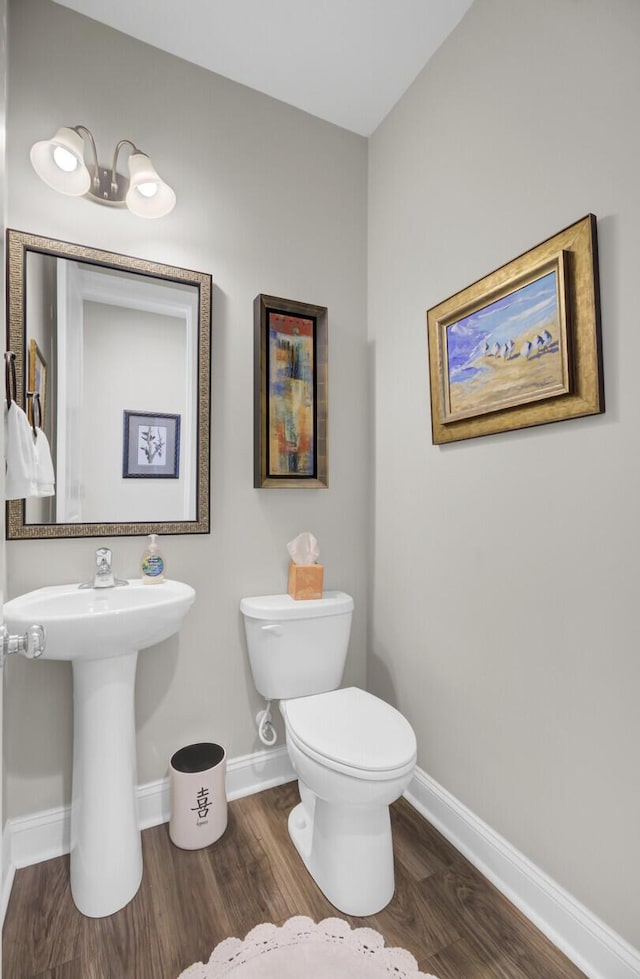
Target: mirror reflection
(118,350)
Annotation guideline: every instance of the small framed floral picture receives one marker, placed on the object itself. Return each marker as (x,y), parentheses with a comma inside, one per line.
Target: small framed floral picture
(151,445)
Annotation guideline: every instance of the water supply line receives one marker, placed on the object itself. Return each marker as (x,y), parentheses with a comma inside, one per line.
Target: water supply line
(266,730)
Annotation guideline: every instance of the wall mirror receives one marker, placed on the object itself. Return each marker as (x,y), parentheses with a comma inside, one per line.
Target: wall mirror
(118,349)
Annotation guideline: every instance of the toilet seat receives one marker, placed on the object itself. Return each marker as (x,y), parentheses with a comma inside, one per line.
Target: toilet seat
(353,732)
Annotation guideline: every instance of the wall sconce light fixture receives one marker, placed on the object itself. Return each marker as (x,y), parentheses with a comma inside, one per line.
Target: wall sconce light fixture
(60,162)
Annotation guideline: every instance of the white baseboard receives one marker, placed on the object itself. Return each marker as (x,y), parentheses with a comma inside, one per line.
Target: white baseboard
(590,944)
(30,839)
(8,873)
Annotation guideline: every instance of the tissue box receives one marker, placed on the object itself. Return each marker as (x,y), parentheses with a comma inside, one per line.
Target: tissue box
(305,580)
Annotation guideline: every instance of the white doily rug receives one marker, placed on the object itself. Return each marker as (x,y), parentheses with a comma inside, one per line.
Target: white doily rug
(302,949)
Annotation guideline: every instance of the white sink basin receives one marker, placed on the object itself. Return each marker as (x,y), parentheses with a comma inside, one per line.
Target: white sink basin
(94,623)
(101,630)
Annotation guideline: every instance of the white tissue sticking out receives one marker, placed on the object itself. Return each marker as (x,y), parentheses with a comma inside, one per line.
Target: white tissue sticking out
(304,549)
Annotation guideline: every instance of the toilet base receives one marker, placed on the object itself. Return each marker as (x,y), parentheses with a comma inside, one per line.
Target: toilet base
(347,850)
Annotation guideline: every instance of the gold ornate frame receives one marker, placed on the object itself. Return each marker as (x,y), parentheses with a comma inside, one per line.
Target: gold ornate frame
(264,478)
(37,382)
(18,244)
(573,253)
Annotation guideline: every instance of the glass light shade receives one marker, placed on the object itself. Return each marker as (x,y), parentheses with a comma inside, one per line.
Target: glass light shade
(148,190)
(65,160)
(61,174)
(148,195)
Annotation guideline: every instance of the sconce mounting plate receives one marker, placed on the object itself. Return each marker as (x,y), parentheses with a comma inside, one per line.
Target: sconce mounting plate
(104,190)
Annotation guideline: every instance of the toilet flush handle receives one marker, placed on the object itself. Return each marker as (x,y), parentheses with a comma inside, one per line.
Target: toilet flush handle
(273,627)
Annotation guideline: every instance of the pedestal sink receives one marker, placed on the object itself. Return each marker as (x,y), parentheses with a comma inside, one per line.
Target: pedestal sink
(101,631)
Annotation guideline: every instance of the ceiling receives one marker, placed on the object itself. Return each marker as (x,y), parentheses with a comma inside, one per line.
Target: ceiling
(346,61)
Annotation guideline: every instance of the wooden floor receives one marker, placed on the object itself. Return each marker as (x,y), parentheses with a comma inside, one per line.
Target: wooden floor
(455,923)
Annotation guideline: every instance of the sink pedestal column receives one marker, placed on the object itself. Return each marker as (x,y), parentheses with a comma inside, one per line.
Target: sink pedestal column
(106,849)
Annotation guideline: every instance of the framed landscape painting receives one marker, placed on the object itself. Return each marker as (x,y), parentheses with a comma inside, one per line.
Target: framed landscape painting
(510,347)
(521,346)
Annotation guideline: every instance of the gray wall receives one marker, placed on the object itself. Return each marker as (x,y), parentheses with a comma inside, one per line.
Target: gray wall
(504,584)
(269,200)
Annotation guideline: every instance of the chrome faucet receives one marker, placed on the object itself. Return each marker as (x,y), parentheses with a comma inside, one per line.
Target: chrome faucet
(103,577)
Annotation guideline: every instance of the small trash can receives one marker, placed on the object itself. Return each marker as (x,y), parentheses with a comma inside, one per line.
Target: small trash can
(197,795)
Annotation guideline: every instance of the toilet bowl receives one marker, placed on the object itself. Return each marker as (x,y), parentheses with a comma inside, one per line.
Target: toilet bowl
(353,753)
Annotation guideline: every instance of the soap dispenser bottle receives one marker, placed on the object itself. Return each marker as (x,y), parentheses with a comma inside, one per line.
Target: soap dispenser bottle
(152,563)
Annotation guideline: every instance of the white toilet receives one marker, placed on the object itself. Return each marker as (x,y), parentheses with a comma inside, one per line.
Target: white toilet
(353,754)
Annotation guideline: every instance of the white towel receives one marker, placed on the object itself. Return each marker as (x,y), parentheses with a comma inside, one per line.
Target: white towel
(20,456)
(45,476)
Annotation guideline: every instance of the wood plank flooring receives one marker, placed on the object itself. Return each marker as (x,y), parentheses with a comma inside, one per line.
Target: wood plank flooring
(456,924)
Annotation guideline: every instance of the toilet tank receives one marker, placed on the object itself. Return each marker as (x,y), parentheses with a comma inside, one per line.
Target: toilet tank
(297,648)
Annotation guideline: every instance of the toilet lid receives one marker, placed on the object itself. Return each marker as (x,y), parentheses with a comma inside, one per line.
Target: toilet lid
(351,729)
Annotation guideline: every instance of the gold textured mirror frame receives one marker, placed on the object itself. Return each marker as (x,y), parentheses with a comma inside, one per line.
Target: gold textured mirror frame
(19,244)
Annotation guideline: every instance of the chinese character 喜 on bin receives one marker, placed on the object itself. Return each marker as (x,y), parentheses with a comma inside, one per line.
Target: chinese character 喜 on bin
(203,804)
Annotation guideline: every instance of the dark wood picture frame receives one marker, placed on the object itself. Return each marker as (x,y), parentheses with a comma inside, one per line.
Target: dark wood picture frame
(290,394)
